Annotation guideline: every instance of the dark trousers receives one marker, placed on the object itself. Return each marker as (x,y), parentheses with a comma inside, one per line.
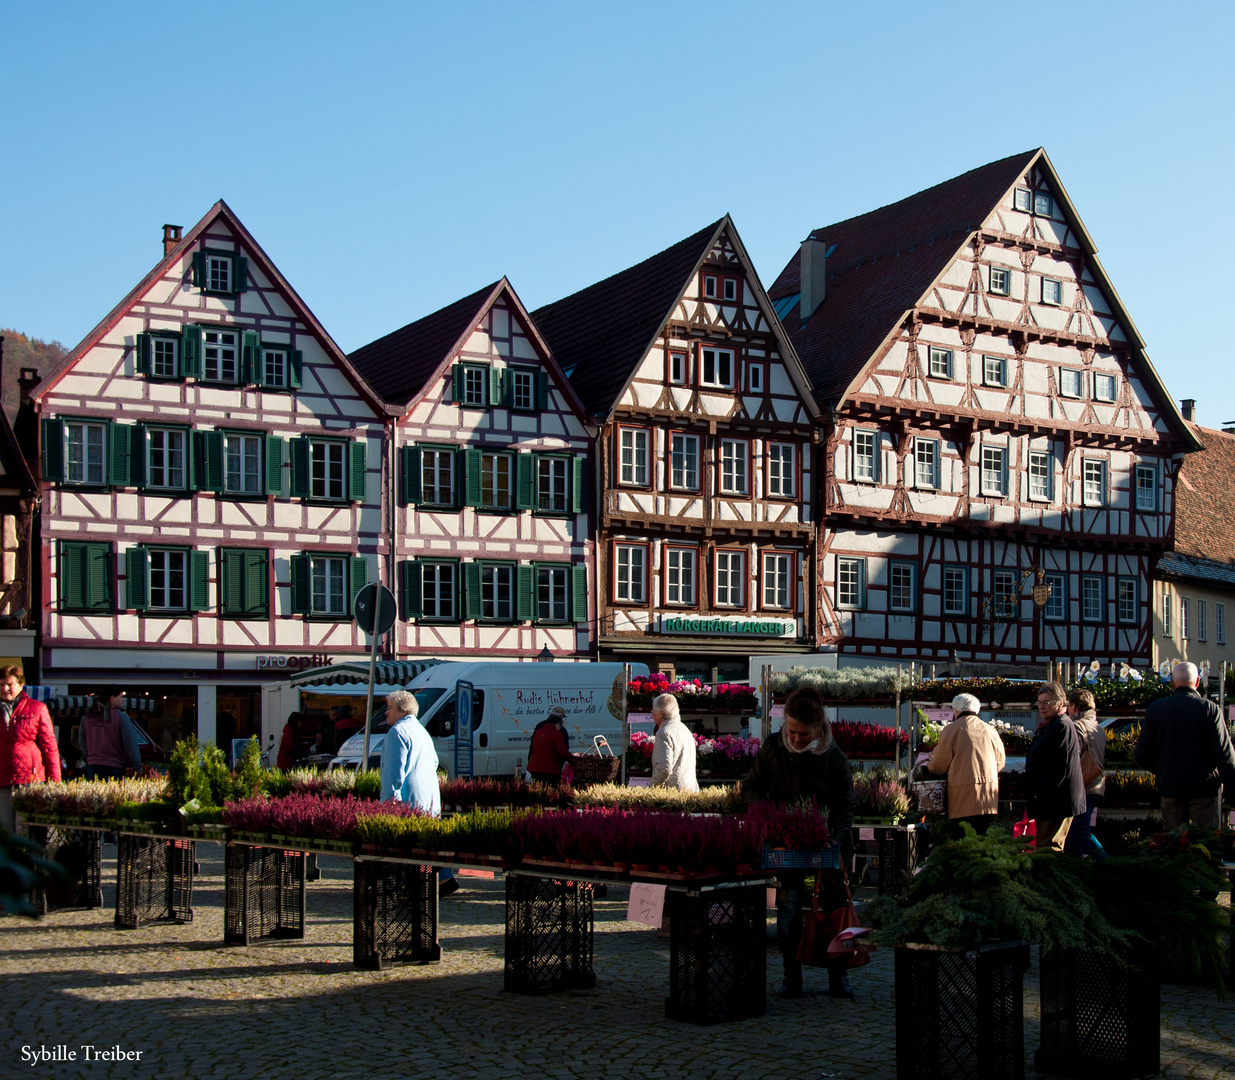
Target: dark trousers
(980,823)
(1081,840)
(1205,812)
(547,778)
(104,772)
(791,899)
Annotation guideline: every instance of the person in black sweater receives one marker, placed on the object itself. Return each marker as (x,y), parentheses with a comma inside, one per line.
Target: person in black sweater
(1053,770)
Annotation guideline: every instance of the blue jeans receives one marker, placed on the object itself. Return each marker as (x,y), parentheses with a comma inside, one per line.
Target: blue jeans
(1081,840)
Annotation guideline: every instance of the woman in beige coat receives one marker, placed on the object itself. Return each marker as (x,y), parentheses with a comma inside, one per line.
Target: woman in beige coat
(971,753)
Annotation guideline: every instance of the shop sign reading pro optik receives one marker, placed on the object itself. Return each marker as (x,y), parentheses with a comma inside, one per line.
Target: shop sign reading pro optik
(727,626)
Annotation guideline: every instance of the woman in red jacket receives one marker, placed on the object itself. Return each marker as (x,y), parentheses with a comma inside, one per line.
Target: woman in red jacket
(28,749)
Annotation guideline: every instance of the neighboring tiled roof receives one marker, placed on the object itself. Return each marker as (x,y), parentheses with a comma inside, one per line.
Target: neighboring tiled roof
(1190,568)
(1204,496)
(397,365)
(879,266)
(603,331)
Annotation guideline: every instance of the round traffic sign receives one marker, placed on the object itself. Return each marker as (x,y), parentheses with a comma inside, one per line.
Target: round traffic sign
(375,604)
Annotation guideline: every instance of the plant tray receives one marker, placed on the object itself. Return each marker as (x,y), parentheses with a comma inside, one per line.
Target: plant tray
(785,859)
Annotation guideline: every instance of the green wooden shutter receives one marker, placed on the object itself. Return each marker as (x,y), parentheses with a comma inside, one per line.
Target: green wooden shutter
(295,359)
(359,475)
(299,460)
(199,269)
(358,578)
(250,357)
(118,465)
(525,490)
(242,275)
(208,460)
(578,486)
(579,590)
(141,357)
(302,589)
(53,451)
(137,571)
(199,580)
(191,351)
(98,577)
(274,465)
(471,591)
(72,576)
(411,460)
(231,582)
(495,386)
(525,597)
(542,390)
(137,456)
(456,382)
(255,590)
(471,473)
(412,596)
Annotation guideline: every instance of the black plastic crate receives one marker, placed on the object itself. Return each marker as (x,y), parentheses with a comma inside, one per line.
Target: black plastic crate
(717,954)
(394,914)
(154,880)
(891,857)
(1099,1019)
(263,894)
(80,852)
(549,925)
(960,1014)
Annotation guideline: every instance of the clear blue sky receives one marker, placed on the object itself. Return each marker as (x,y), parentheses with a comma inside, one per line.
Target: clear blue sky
(393,157)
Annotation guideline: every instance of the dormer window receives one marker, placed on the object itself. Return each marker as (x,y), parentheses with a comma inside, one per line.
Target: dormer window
(1023,199)
(222,272)
(1043,204)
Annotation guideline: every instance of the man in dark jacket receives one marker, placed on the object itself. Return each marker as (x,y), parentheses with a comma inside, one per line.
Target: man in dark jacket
(803,762)
(1053,770)
(1187,745)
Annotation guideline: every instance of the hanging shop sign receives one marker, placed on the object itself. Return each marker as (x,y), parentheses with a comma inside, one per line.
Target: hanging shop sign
(728,625)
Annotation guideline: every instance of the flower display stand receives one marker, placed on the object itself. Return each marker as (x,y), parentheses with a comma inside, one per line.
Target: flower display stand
(80,852)
(263,894)
(394,914)
(549,928)
(154,880)
(717,953)
(1099,1019)
(960,1012)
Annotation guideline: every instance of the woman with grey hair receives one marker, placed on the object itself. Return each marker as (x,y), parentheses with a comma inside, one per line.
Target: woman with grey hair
(409,759)
(673,753)
(971,753)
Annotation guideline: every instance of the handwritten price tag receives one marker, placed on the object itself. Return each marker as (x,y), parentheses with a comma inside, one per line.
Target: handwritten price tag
(938,716)
(647,904)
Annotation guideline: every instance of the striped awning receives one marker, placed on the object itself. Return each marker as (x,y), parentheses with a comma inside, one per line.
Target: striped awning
(392,672)
(68,703)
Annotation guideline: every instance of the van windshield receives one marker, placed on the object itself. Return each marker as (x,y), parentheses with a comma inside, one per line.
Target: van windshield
(425,697)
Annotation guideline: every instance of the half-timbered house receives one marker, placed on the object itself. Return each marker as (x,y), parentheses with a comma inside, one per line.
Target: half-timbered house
(704,459)
(492,537)
(996,427)
(211,484)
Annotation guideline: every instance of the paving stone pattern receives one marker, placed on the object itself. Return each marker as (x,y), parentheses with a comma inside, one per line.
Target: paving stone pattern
(298,1009)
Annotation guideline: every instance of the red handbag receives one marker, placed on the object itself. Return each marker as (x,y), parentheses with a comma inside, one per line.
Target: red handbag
(824,941)
(1027,827)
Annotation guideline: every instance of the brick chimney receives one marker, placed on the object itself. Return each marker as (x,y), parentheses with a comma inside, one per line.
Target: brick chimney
(814,264)
(1188,407)
(28,381)
(171,237)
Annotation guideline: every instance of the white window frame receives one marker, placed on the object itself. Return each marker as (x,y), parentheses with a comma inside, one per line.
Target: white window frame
(244,449)
(86,468)
(156,435)
(866,459)
(926,463)
(1185,618)
(552,485)
(729,290)
(219,273)
(1075,378)
(684,451)
(439,591)
(494,469)
(955,596)
(553,593)
(1127,599)
(939,362)
(850,583)
(1000,378)
(778,580)
(328,585)
(721,364)
(1006,274)
(1041,466)
(269,353)
(1220,623)
(1043,204)
(475,385)
(1140,472)
(164,357)
(1202,618)
(734,467)
(327,470)
(902,587)
(754,378)
(1052,292)
(679,373)
(729,587)
(782,462)
(986,472)
(710,289)
(1093,481)
(681,569)
(1006,596)
(497,592)
(633,456)
(1056,607)
(1022,199)
(1090,614)
(630,573)
(220,353)
(1105,378)
(522,388)
(437,476)
(167,579)
(1166,612)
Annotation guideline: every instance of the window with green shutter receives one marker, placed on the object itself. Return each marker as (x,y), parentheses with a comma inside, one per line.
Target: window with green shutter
(328,470)
(476,386)
(224,273)
(492,591)
(166,580)
(157,356)
(553,593)
(324,585)
(79,452)
(85,583)
(243,583)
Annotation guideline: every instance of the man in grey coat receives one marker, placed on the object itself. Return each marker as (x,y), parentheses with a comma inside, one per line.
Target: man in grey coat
(1185,742)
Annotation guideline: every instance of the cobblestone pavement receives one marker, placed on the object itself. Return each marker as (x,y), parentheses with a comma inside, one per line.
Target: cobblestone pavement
(298,1009)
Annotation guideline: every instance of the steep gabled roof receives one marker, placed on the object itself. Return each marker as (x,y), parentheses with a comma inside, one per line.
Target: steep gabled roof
(253,250)
(603,331)
(398,365)
(1204,493)
(880,264)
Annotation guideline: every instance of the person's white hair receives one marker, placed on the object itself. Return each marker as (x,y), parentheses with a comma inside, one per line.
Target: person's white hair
(1184,674)
(404,702)
(667,706)
(963,703)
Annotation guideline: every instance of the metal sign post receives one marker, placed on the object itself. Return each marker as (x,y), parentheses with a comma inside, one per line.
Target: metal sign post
(463,728)
(765,703)
(625,720)
(374,611)
(899,670)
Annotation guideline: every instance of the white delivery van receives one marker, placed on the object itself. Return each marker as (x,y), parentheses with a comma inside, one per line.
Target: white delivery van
(509,700)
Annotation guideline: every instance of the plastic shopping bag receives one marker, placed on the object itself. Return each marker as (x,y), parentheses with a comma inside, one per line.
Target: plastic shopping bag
(1026,827)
